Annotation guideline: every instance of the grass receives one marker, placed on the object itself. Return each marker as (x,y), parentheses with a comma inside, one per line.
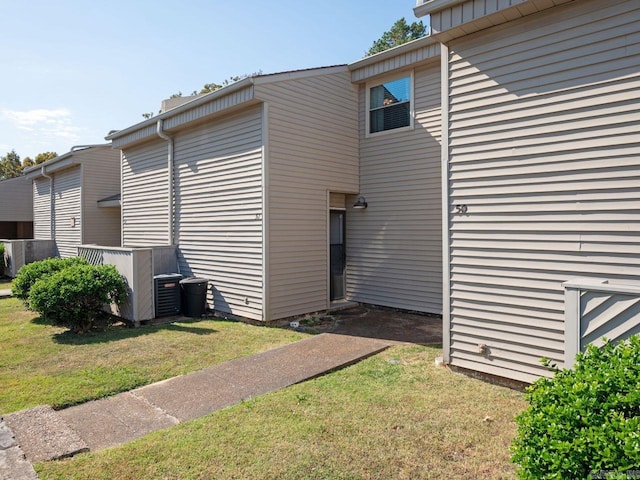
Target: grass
(41,364)
(392,416)
(5,283)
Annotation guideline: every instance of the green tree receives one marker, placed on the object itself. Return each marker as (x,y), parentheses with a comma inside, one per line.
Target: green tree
(44,156)
(401,32)
(40,158)
(212,87)
(207,88)
(10,165)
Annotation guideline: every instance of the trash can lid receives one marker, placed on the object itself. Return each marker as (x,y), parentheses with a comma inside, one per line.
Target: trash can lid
(168,275)
(194,280)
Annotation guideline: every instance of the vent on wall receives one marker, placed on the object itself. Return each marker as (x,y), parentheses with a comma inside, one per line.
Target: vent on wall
(167,294)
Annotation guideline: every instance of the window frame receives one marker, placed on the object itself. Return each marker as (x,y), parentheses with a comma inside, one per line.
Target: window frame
(381,81)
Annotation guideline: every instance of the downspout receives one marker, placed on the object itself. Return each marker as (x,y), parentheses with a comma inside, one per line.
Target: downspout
(51,200)
(169,139)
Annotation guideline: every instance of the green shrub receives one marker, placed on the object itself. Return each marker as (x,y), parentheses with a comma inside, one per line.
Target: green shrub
(32,272)
(74,296)
(2,262)
(585,422)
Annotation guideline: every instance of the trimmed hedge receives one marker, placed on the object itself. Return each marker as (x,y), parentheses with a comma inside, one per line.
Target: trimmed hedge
(74,296)
(585,422)
(32,272)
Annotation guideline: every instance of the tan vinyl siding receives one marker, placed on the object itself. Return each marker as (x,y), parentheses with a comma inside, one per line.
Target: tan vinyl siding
(16,200)
(544,152)
(141,134)
(394,250)
(218,197)
(205,108)
(101,178)
(67,223)
(337,200)
(409,59)
(474,15)
(42,209)
(145,195)
(219,104)
(312,149)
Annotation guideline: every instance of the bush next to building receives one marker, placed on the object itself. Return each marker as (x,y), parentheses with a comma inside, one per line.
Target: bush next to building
(585,422)
(32,272)
(74,297)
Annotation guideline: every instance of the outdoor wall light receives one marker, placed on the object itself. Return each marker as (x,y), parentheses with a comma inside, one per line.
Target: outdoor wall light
(360,203)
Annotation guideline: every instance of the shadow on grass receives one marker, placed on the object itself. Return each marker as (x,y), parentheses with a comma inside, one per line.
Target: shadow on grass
(121,331)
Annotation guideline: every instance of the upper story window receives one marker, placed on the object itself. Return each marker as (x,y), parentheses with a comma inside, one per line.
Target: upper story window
(390,105)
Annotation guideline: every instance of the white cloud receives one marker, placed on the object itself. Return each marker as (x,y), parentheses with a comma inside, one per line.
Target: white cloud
(56,123)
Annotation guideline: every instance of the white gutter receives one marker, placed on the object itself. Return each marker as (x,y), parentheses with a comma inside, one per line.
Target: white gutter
(169,139)
(83,147)
(51,199)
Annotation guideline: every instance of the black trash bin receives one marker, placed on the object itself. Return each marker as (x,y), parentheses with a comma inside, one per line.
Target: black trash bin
(194,296)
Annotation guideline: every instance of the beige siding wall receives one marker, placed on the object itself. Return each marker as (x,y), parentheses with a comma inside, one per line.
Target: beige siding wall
(67,221)
(213,104)
(394,247)
(16,200)
(145,195)
(312,150)
(424,50)
(101,178)
(474,15)
(42,209)
(545,153)
(218,198)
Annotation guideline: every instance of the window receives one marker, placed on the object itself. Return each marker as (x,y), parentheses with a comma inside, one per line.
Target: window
(389,105)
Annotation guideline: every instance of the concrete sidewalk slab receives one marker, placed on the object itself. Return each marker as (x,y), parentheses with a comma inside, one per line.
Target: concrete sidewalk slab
(200,393)
(13,464)
(44,435)
(114,420)
(5,293)
(108,422)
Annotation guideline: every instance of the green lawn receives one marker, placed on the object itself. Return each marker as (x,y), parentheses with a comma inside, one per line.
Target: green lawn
(5,283)
(392,416)
(41,364)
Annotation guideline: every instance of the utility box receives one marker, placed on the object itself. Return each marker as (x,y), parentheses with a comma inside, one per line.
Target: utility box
(167,294)
(194,296)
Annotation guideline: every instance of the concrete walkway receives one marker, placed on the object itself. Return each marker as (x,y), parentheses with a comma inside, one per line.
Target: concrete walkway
(41,434)
(44,434)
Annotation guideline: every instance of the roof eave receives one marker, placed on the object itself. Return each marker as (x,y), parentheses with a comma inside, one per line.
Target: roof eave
(392,52)
(245,82)
(57,163)
(108,203)
(431,6)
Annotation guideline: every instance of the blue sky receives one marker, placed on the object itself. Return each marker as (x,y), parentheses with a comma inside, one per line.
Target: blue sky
(73,70)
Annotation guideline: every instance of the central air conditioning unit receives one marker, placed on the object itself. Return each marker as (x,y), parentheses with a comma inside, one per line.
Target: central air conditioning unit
(167,294)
